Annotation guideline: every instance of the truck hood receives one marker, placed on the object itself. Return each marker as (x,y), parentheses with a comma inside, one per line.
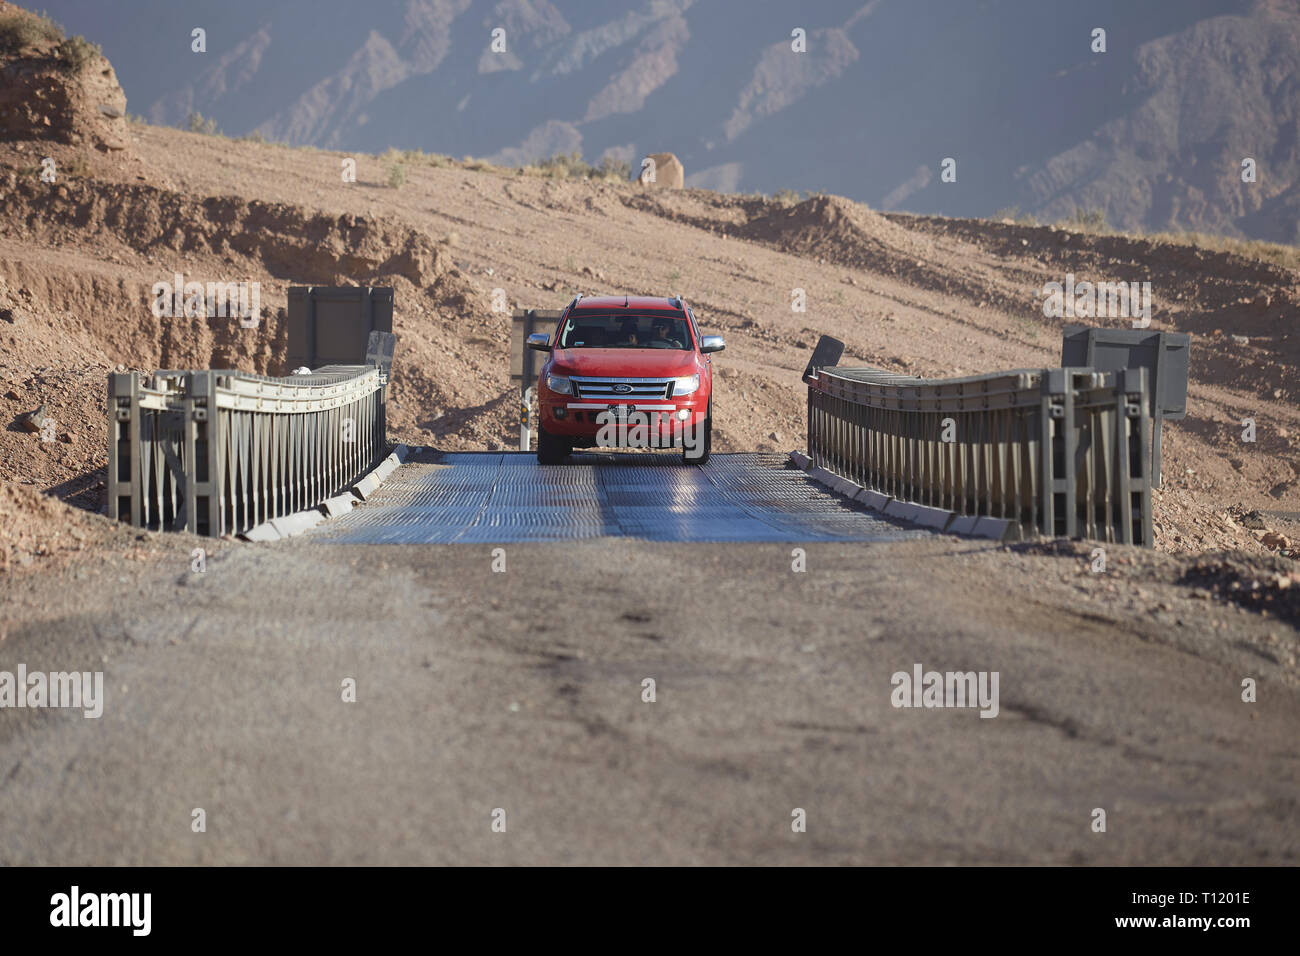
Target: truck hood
(632,363)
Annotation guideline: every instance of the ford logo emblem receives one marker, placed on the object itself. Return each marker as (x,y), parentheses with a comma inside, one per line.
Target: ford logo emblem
(622,389)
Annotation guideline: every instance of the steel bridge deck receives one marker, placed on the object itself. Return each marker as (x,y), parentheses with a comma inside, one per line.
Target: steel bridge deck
(506,497)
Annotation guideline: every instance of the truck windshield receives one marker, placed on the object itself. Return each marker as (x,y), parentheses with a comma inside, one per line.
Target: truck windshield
(619,330)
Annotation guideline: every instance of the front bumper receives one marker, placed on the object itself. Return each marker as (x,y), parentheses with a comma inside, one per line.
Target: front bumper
(581,421)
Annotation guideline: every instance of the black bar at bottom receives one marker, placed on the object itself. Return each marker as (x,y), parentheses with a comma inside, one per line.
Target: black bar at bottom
(925,905)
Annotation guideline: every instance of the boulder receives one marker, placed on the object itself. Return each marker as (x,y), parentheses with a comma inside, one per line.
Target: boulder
(668,172)
(32,421)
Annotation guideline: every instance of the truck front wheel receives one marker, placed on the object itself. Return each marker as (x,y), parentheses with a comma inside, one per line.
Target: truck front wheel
(700,454)
(551,449)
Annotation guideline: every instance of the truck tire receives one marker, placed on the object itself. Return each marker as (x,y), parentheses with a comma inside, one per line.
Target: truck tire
(703,456)
(551,449)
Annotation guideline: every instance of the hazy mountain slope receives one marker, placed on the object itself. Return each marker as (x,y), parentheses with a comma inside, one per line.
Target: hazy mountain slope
(1153,130)
(1223,90)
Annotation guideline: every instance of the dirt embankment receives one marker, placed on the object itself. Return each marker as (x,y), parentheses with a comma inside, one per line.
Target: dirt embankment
(62,318)
(221,239)
(282,240)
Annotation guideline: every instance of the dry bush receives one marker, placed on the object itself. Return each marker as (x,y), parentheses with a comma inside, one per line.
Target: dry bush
(75,52)
(20,31)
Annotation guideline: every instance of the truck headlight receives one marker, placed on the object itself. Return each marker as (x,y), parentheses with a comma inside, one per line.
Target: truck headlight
(685,385)
(558,383)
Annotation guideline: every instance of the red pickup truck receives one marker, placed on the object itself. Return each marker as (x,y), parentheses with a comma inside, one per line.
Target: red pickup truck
(626,372)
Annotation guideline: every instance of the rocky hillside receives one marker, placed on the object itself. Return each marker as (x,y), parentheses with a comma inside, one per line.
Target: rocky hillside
(1204,99)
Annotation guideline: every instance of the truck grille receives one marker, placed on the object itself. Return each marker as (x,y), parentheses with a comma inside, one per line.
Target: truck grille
(620,389)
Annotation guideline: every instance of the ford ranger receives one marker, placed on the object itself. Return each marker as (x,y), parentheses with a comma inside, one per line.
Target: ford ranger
(626,372)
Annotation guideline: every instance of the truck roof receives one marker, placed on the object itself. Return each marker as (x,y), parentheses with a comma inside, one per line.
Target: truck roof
(633,302)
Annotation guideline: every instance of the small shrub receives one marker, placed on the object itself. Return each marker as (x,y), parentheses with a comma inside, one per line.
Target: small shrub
(613,168)
(1090,220)
(75,52)
(196,123)
(786,197)
(1013,213)
(557,166)
(256,137)
(571,166)
(19,31)
(396,175)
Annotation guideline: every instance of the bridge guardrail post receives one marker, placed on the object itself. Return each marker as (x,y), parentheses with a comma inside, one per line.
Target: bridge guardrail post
(202,478)
(124,447)
(1134,386)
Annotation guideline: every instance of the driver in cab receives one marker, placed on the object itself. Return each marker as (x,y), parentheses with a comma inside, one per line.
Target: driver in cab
(660,335)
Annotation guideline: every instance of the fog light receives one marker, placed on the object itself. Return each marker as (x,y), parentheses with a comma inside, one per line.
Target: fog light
(560,413)
(683,414)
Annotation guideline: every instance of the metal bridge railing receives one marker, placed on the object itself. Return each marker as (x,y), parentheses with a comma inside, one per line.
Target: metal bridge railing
(220,452)
(1061,452)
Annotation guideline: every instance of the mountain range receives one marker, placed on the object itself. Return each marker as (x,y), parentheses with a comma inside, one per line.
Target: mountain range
(1034,115)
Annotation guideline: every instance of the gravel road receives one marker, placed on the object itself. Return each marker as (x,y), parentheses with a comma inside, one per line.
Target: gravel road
(523,690)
